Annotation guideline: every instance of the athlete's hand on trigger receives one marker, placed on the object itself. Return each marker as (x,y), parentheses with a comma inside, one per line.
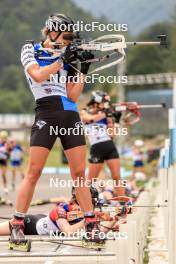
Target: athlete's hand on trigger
(108,112)
(85,56)
(69,55)
(124,205)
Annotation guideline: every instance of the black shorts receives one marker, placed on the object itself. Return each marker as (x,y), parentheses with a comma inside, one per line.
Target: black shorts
(3,163)
(103,151)
(30,222)
(52,123)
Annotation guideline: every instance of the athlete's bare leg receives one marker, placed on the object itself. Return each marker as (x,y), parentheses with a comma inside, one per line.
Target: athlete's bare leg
(21,171)
(94,171)
(13,176)
(4,176)
(77,163)
(37,160)
(114,166)
(15,170)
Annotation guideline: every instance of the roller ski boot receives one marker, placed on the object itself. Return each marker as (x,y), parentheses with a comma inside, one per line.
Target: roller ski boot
(17,239)
(92,238)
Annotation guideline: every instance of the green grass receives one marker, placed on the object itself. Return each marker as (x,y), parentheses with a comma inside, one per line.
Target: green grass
(146,253)
(54,158)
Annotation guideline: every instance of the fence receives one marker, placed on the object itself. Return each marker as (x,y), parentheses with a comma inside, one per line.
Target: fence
(132,250)
(17,125)
(167,173)
(8,121)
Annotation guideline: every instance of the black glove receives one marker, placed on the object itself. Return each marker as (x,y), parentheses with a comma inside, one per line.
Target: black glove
(108,112)
(69,55)
(86,55)
(117,116)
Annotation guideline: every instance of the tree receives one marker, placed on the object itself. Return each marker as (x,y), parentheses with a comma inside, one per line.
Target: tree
(149,59)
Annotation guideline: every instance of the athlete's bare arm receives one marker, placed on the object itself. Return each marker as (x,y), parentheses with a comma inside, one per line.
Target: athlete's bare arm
(69,229)
(40,74)
(75,89)
(86,117)
(111,127)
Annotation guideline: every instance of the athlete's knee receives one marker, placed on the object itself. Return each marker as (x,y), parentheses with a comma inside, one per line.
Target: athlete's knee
(79,173)
(34,173)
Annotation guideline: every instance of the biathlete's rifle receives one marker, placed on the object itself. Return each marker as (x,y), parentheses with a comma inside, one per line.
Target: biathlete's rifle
(106,43)
(131,110)
(114,213)
(124,205)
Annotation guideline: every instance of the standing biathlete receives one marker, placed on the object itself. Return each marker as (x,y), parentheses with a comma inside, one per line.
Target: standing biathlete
(55,107)
(16,160)
(4,157)
(97,120)
(138,160)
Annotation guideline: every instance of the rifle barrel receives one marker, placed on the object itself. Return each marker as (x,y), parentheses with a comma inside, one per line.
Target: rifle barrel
(152,106)
(134,43)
